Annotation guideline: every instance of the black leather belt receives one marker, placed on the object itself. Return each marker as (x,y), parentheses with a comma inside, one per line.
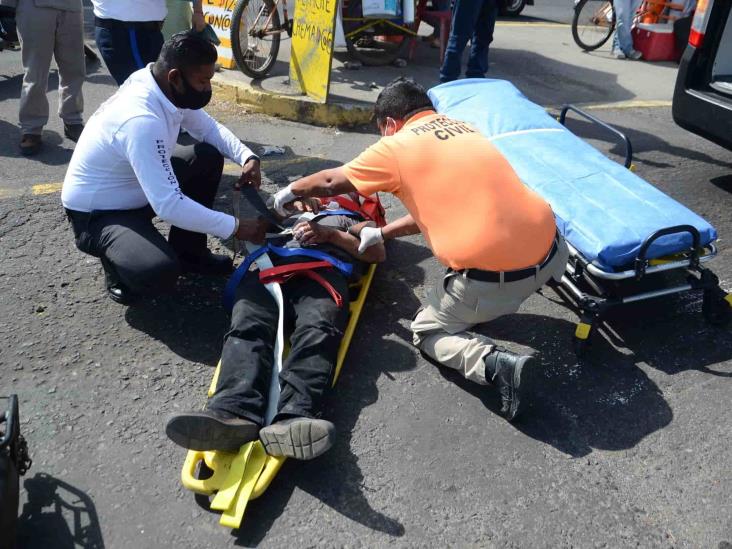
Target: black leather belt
(137,25)
(510,276)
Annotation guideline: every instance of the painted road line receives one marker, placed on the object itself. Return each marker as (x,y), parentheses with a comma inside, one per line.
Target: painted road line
(46,188)
(630,104)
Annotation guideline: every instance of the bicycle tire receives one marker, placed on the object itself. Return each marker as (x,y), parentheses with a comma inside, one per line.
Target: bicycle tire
(370,57)
(244,58)
(588,9)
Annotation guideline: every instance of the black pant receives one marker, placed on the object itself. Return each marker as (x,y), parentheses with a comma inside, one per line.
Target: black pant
(126,49)
(247,357)
(131,247)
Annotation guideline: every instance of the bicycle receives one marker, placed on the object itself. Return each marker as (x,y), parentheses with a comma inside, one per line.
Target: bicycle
(256,30)
(593,23)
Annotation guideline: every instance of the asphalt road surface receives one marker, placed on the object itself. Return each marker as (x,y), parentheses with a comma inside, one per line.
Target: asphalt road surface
(629,447)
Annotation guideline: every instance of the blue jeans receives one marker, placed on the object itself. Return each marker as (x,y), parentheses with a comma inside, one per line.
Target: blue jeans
(472,20)
(126,50)
(624,12)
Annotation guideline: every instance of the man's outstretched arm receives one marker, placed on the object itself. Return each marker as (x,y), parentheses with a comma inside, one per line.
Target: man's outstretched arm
(330,182)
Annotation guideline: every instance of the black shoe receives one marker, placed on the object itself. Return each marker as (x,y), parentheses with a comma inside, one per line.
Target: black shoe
(73,131)
(210,430)
(30,144)
(206,264)
(505,369)
(299,437)
(116,291)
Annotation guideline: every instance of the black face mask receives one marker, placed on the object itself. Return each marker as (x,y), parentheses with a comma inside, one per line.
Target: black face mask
(190,98)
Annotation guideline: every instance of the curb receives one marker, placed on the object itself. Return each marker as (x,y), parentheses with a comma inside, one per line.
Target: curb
(295,108)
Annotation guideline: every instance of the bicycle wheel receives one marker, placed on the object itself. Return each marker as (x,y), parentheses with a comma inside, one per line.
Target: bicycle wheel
(593,23)
(380,44)
(255,47)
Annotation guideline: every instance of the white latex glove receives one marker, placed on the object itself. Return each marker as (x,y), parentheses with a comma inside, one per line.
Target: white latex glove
(369,237)
(282,198)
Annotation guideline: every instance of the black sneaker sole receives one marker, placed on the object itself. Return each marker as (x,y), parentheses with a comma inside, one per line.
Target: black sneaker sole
(203,432)
(301,439)
(524,363)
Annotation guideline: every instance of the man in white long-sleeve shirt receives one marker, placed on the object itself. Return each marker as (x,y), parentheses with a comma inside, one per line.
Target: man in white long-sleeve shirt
(126,169)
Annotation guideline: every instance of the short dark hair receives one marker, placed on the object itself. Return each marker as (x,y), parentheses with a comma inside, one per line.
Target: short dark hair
(183,50)
(400,98)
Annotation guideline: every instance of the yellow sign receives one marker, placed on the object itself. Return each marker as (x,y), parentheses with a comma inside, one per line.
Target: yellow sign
(218,15)
(312,46)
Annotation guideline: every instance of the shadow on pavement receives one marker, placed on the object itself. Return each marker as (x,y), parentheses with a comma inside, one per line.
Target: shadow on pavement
(606,401)
(191,322)
(57,515)
(723,182)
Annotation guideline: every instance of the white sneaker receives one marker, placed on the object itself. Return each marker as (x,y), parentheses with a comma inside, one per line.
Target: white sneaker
(635,55)
(618,54)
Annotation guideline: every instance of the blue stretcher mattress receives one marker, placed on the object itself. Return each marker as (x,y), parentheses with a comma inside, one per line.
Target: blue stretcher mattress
(602,208)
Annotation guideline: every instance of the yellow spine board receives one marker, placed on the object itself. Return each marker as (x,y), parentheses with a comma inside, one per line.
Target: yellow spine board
(244,476)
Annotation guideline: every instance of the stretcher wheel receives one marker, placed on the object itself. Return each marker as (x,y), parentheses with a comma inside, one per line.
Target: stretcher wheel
(716,309)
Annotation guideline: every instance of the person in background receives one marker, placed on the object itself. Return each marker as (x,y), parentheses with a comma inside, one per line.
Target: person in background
(129,34)
(623,40)
(472,20)
(50,29)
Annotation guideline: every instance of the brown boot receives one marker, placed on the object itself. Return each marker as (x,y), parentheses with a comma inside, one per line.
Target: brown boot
(30,144)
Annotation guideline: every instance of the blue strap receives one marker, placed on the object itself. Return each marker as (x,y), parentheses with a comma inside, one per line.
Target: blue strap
(135,50)
(241,271)
(347,213)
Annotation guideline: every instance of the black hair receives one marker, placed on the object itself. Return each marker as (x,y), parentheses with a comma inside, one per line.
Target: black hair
(401,98)
(183,50)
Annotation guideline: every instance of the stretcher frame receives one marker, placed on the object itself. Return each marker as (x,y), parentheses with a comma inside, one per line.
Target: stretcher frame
(239,478)
(596,291)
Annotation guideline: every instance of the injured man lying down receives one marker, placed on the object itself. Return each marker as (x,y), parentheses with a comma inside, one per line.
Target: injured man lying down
(316,305)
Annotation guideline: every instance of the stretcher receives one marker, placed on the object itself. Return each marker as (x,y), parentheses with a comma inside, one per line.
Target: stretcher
(235,479)
(628,240)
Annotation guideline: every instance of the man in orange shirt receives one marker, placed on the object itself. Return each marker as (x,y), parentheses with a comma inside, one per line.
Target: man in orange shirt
(497,238)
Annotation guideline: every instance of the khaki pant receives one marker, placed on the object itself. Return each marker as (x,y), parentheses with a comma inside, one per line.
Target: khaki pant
(458,303)
(45,33)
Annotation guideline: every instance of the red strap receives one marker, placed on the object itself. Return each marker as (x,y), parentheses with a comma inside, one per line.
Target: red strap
(283,273)
(371,208)
(292,268)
